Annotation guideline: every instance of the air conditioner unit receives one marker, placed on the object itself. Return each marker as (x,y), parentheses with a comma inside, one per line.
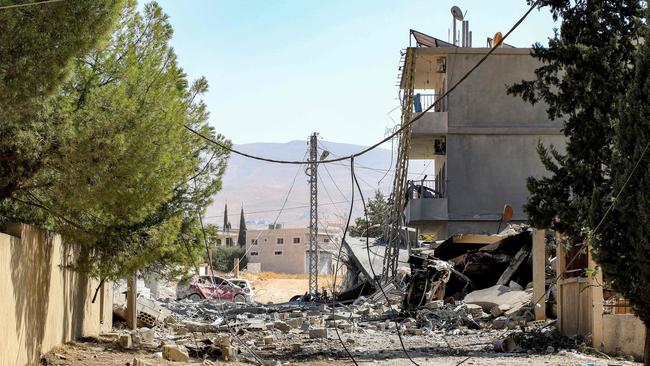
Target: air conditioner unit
(441,65)
(440,146)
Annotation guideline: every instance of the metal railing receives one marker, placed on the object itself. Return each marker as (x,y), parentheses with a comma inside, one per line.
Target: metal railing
(432,188)
(424,101)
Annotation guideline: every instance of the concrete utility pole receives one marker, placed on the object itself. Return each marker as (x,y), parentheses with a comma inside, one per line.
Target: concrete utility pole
(312,172)
(131,307)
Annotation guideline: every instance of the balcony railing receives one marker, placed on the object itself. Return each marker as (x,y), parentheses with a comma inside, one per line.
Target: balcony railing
(424,101)
(432,188)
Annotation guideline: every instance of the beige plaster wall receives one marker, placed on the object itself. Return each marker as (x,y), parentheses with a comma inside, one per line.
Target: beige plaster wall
(623,334)
(43,304)
(292,260)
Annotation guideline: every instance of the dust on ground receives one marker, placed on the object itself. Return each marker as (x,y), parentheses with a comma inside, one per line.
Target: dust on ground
(102,353)
(278,287)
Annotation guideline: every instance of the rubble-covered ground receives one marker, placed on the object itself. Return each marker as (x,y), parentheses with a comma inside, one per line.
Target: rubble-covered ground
(204,333)
(105,353)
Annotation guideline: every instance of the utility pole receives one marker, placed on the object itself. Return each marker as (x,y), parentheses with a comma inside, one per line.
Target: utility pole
(312,172)
(131,302)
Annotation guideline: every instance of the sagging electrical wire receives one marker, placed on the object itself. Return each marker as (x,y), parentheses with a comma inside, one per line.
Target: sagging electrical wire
(399,130)
(338,259)
(374,275)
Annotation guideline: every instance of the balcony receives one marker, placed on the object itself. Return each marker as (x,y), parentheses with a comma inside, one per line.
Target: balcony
(426,201)
(433,122)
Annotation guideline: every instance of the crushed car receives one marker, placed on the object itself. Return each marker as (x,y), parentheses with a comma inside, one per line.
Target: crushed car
(212,288)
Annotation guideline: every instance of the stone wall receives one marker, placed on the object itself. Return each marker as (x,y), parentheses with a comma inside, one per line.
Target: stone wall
(43,304)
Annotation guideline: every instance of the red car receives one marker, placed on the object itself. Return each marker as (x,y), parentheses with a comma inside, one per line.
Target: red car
(200,287)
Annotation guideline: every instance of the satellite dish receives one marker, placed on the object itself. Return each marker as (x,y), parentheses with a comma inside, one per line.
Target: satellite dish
(507,213)
(457,13)
(497,40)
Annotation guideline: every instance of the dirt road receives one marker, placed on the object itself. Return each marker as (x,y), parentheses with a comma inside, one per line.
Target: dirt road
(277,288)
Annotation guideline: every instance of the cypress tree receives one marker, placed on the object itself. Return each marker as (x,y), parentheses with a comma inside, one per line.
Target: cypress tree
(241,237)
(586,69)
(622,243)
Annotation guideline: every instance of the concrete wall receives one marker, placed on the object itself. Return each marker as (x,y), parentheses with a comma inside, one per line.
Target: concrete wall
(484,172)
(43,304)
(623,334)
(293,255)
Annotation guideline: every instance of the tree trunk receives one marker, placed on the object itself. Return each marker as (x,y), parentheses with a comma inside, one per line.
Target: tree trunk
(646,350)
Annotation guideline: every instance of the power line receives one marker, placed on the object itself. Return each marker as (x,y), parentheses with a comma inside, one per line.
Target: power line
(29,4)
(284,209)
(396,132)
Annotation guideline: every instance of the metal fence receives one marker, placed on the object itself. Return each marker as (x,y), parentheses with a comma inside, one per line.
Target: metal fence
(424,101)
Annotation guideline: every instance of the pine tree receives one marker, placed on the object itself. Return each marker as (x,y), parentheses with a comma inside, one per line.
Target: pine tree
(622,243)
(37,46)
(123,177)
(377,208)
(241,237)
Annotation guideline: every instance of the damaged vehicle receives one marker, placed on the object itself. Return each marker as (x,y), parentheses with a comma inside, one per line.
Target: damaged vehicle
(213,288)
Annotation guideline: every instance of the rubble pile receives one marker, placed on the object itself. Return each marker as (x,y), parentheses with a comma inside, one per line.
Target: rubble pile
(471,292)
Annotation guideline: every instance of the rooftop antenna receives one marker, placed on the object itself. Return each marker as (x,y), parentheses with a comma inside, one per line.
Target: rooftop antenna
(458,15)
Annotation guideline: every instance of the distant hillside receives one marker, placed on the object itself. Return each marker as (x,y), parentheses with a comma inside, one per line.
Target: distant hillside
(261,187)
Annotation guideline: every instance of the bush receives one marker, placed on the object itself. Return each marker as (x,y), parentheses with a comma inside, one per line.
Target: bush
(223,257)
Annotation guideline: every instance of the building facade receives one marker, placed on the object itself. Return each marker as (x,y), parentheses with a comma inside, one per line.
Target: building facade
(483,141)
(287,250)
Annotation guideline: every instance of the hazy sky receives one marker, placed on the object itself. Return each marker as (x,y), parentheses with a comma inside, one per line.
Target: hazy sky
(279,70)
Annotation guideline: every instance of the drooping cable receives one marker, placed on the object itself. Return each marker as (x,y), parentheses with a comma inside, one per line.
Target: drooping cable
(374,275)
(396,132)
(338,259)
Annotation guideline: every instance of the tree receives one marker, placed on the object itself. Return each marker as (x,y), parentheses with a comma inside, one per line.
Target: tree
(378,209)
(622,244)
(226,222)
(223,258)
(37,45)
(125,178)
(585,70)
(241,237)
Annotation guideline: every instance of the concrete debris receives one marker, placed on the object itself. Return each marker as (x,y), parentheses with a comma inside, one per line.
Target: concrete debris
(140,362)
(176,353)
(125,341)
(471,287)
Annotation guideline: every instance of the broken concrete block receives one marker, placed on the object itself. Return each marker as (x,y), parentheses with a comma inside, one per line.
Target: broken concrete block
(112,336)
(435,304)
(318,333)
(283,326)
(176,353)
(222,340)
(140,362)
(474,309)
(146,335)
(268,340)
(499,323)
(294,322)
(497,295)
(496,312)
(125,341)
(515,286)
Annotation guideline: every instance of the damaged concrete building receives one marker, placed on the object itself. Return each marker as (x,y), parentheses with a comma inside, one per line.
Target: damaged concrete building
(482,140)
